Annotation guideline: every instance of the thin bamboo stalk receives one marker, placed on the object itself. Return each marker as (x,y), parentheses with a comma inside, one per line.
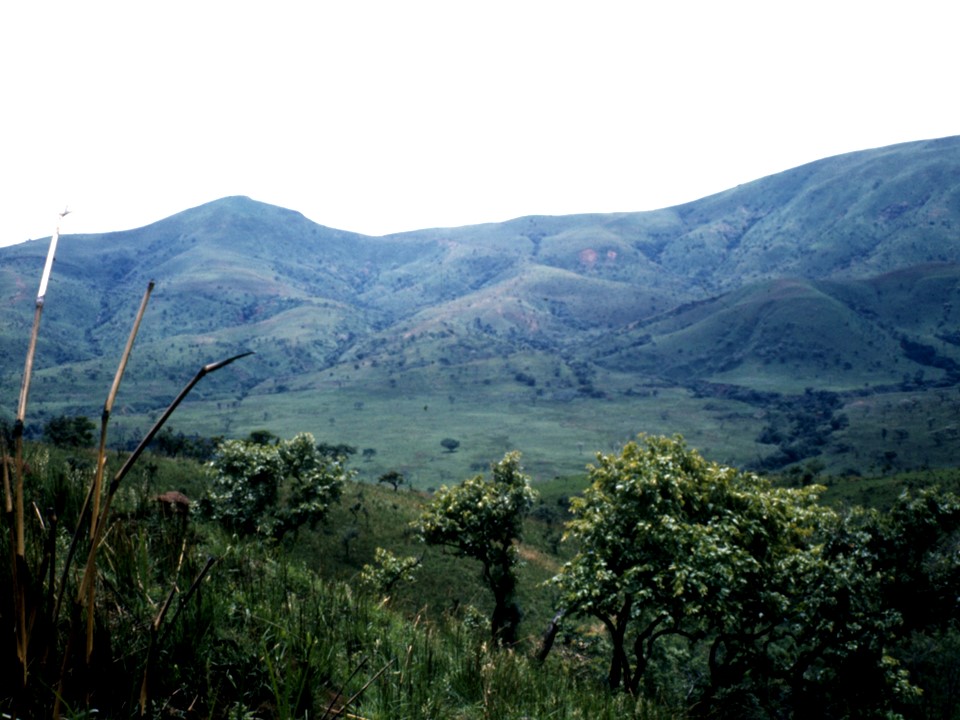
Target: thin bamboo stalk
(38,311)
(108,408)
(102,454)
(95,489)
(20,575)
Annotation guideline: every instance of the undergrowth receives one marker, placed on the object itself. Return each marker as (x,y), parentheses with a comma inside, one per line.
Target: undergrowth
(263,634)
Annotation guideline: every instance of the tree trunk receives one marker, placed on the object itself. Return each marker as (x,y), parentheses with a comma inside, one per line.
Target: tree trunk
(619,662)
(505,621)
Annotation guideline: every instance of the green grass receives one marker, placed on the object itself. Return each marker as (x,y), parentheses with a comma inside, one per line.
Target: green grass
(284,632)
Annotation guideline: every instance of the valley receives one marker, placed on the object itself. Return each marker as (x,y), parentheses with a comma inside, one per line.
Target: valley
(805,319)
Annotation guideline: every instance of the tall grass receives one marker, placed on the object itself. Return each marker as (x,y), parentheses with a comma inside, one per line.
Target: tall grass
(325,649)
(50,673)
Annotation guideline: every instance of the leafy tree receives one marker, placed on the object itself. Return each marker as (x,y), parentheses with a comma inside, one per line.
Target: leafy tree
(262,437)
(915,549)
(483,519)
(769,584)
(912,551)
(394,478)
(170,443)
(829,653)
(339,451)
(271,490)
(450,444)
(69,432)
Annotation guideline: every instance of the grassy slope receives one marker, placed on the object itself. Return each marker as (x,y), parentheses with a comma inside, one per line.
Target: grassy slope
(372,515)
(269,616)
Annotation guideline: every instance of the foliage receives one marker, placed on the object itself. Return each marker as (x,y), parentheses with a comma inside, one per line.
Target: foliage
(271,490)
(450,444)
(262,436)
(483,520)
(914,549)
(177,444)
(393,478)
(387,570)
(334,451)
(266,636)
(774,588)
(69,432)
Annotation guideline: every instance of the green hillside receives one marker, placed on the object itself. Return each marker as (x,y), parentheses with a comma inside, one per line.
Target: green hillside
(719,319)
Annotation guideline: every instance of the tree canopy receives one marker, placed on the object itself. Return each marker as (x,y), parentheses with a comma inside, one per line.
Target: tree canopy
(766,591)
(273,489)
(69,432)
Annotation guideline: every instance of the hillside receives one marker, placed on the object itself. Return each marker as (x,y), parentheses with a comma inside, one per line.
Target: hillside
(558,336)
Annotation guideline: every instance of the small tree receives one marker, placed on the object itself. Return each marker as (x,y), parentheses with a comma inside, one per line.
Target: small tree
(388,570)
(393,478)
(781,593)
(69,432)
(271,490)
(674,545)
(483,520)
(450,444)
(262,437)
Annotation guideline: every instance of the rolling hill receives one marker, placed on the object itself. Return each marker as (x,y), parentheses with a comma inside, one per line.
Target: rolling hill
(809,315)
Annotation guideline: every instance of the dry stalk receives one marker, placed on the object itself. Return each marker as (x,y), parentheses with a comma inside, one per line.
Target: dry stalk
(108,408)
(20,570)
(97,488)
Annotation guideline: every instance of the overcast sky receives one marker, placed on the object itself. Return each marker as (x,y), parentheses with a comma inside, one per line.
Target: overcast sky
(387,116)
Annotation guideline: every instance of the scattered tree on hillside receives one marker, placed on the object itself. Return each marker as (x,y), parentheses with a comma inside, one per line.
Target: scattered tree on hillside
(69,432)
(393,478)
(271,490)
(483,519)
(335,451)
(262,437)
(176,444)
(450,444)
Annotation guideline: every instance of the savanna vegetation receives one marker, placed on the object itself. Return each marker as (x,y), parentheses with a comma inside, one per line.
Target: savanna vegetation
(683,589)
(284,554)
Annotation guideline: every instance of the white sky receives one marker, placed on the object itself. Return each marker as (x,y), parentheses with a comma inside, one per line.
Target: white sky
(384,116)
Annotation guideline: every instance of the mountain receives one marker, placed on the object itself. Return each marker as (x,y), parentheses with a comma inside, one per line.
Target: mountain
(809,315)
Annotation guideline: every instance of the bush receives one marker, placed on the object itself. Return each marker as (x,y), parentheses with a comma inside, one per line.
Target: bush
(271,490)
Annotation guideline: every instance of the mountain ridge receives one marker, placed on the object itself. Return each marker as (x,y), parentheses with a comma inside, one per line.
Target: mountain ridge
(775,285)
